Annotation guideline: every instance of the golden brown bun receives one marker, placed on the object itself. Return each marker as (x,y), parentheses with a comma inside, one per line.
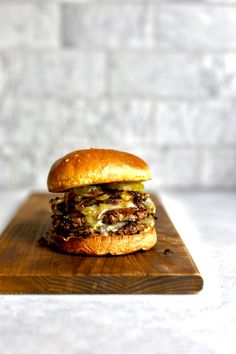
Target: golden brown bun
(95,245)
(95,166)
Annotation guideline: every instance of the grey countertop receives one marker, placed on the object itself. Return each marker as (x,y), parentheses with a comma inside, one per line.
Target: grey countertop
(201,323)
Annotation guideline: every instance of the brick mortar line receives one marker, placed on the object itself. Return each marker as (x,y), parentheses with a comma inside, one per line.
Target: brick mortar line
(121,3)
(155,26)
(147,145)
(195,98)
(108,77)
(122,51)
(113,97)
(118,98)
(50,50)
(89,2)
(125,2)
(159,3)
(59,27)
(192,3)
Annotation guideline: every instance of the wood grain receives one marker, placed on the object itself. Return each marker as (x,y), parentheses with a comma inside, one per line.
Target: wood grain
(28,268)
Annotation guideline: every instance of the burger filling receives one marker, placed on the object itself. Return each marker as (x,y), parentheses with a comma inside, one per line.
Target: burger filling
(107,209)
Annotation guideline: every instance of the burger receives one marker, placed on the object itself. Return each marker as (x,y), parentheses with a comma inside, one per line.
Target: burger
(103,208)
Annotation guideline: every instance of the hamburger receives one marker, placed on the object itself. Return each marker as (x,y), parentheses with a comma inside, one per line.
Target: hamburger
(103,208)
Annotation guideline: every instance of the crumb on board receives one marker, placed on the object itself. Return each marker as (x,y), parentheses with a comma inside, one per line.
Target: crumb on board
(168,251)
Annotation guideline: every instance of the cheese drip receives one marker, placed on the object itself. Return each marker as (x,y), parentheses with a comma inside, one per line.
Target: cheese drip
(94,213)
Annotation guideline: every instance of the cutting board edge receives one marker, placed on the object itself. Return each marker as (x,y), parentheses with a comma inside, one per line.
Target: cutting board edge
(105,284)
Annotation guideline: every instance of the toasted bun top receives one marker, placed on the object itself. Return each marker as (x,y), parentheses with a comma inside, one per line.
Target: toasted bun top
(95,166)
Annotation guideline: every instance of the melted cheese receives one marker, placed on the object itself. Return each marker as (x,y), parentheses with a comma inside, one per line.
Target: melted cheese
(104,229)
(94,214)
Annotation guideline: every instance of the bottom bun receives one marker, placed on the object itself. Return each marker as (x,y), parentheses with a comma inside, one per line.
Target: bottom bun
(95,245)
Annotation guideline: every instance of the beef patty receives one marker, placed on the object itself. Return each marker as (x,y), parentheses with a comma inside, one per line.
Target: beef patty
(69,219)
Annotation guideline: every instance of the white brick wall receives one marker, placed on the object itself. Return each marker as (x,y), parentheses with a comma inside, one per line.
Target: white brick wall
(155,74)
(57,74)
(218,168)
(199,123)
(106,25)
(2,75)
(195,26)
(219,74)
(106,122)
(153,77)
(33,25)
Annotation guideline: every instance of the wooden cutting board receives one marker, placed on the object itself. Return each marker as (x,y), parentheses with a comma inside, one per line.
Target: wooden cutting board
(28,268)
